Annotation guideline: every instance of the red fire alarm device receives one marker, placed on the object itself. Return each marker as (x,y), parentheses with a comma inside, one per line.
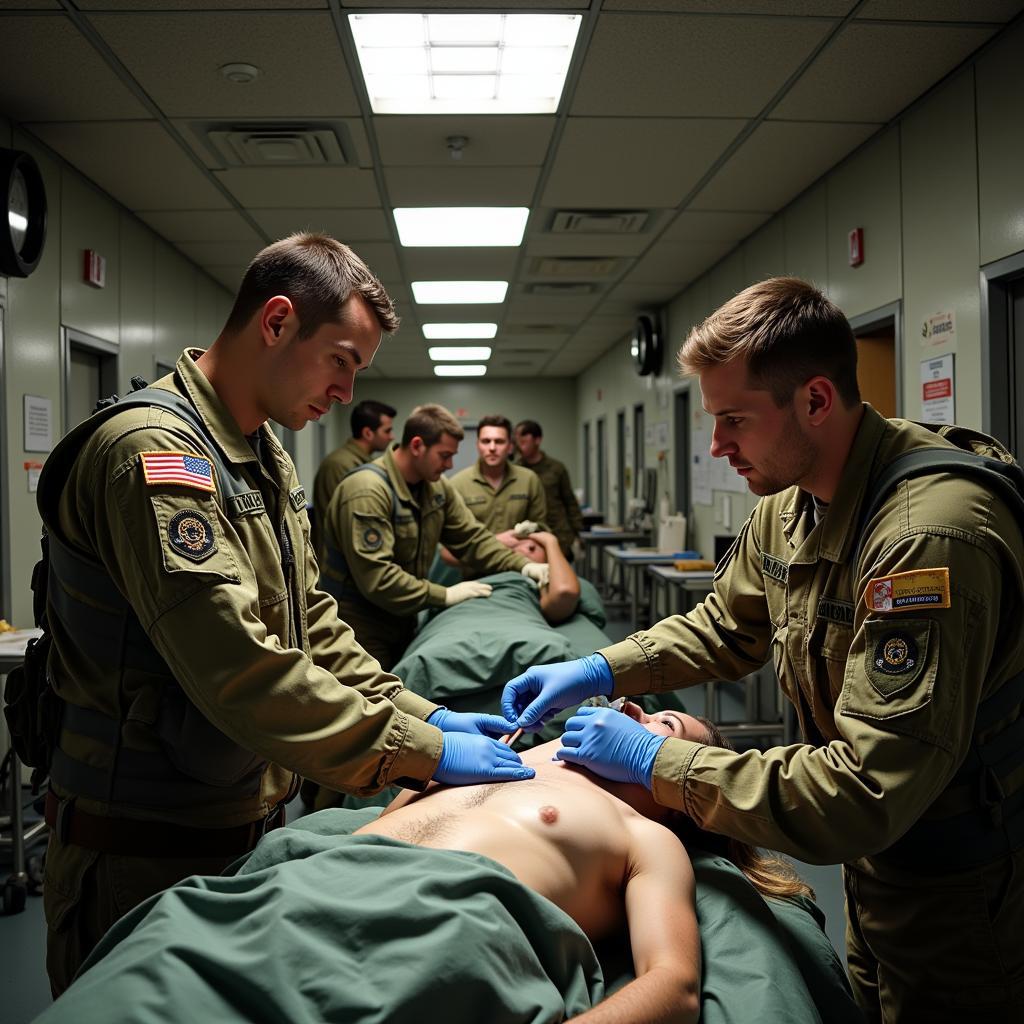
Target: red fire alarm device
(94,269)
(856,247)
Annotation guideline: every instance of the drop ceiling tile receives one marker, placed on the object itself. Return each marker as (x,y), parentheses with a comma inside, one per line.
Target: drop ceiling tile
(942,10)
(380,258)
(536,307)
(194,5)
(219,254)
(454,5)
(49,72)
(461,186)
(460,264)
(644,163)
(567,244)
(349,226)
(682,65)
(314,188)
(872,71)
(632,296)
(712,226)
(805,8)
(199,225)
(137,162)
(457,314)
(302,68)
(676,263)
(506,141)
(762,175)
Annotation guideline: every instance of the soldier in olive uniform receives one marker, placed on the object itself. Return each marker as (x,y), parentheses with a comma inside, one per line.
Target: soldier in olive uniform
(372,432)
(382,529)
(896,633)
(564,517)
(196,663)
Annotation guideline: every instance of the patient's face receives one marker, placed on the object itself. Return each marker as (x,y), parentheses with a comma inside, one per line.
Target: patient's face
(531,549)
(675,724)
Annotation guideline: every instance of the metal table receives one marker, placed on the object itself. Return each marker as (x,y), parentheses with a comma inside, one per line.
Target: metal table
(631,562)
(12,654)
(596,540)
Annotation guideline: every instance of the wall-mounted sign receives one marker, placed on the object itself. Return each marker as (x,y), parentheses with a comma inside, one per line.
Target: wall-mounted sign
(938,390)
(856,240)
(38,423)
(939,329)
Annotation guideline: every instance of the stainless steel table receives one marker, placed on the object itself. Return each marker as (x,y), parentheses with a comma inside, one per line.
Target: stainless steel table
(597,540)
(631,562)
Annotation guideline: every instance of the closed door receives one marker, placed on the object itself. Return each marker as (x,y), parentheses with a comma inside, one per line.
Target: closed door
(619,483)
(876,368)
(602,454)
(84,379)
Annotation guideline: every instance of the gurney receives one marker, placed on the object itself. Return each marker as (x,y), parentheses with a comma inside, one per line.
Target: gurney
(316,925)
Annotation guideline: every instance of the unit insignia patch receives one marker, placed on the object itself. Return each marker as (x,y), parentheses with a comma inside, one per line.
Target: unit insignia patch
(372,539)
(190,533)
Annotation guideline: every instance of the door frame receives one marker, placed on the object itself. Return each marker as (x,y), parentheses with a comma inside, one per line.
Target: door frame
(109,353)
(621,498)
(6,595)
(681,449)
(883,316)
(999,414)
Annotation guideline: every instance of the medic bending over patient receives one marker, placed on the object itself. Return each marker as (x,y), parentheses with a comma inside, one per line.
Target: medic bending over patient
(604,852)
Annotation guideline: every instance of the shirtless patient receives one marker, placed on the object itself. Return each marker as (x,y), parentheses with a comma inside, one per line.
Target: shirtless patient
(599,850)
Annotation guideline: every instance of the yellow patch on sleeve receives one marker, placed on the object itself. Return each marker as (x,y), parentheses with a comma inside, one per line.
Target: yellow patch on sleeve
(908,591)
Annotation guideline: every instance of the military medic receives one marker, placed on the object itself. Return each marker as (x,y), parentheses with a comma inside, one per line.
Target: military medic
(564,517)
(893,617)
(372,432)
(383,526)
(196,664)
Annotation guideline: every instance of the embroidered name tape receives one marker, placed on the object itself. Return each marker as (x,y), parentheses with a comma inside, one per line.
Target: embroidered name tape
(919,588)
(181,468)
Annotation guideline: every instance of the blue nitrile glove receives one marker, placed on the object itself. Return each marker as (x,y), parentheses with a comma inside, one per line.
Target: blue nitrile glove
(481,725)
(610,744)
(466,759)
(540,692)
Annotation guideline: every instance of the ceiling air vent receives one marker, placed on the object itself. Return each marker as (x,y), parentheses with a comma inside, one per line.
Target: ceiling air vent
(277,146)
(599,222)
(576,268)
(561,288)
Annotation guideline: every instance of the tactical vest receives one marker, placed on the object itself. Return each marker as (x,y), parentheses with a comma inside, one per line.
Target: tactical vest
(979,816)
(194,762)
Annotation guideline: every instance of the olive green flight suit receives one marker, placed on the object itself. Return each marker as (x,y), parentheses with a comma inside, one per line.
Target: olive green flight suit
(519,496)
(886,697)
(565,520)
(226,593)
(381,538)
(330,473)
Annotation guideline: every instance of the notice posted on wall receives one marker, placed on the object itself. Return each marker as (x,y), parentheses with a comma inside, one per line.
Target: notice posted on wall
(38,423)
(938,390)
(939,330)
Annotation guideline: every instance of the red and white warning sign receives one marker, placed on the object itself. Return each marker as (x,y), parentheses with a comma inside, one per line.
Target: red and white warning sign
(938,387)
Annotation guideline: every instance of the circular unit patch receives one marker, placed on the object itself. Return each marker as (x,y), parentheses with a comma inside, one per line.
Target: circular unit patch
(895,653)
(372,539)
(190,533)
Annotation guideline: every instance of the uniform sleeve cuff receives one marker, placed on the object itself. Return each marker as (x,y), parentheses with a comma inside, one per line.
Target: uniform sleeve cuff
(671,769)
(633,665)
(435,595)
(417,759)
(414,705)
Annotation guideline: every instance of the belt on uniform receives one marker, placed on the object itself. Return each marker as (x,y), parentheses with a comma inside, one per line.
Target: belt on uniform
(128,837)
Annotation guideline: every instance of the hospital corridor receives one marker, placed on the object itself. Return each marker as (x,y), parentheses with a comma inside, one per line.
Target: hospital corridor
(510,512)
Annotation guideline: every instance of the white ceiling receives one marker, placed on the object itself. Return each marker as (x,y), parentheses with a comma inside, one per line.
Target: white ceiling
(709,115)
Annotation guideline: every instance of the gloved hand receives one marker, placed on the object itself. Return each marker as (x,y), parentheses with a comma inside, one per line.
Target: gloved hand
(611,744)
(525,528)
(460,592)
(478,725)
(538,572)
(469,759)
(532,698)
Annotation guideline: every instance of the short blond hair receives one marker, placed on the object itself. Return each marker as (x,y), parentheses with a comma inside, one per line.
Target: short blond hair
(429,422)
(786,331)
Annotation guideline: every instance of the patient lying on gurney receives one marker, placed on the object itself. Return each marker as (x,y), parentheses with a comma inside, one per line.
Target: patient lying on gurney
(369,928)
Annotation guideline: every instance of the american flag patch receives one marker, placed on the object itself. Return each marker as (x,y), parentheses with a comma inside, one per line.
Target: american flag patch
(182,468)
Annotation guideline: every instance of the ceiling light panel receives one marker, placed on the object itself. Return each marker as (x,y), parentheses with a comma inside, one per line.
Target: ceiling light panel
(457,332)
(460,370)
(454,353)
(461,225)
(457,292)
(464,63)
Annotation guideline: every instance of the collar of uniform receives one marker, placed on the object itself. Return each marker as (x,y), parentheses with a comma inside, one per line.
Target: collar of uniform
(481,477)
(789,514)
(387,463)
(837,529)
(213,411)
(356,448)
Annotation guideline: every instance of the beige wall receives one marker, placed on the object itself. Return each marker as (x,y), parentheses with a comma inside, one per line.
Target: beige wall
(938,195)
(550,401)
(154,304)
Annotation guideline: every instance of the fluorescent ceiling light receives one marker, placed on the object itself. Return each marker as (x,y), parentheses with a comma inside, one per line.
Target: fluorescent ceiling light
(440,353)
(458,292)
(461,225)
(460,370)
(455,332)
(464,63)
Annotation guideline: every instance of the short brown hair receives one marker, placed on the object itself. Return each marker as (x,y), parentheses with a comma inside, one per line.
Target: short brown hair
(319,275)
(429,422)
(495,421)
(787,331)
(531,427)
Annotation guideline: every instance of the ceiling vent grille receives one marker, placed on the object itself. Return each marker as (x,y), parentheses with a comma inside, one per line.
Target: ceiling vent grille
(561,288)
(599,222)
(278,146)
(575,268)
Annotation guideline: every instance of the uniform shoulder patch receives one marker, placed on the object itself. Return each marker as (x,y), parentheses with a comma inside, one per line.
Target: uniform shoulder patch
(297,497)
(908,591)
(894,656)
(181,468)
(190,533)
(372,539)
